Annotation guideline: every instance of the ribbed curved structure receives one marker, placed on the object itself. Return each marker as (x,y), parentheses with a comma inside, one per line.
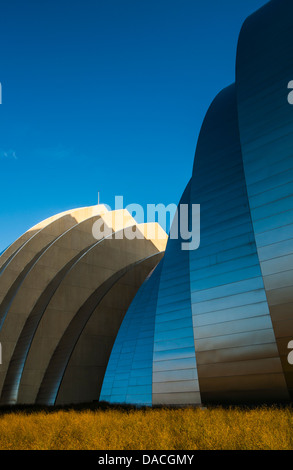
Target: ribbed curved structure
(115,319)
(63,297)
(213,325)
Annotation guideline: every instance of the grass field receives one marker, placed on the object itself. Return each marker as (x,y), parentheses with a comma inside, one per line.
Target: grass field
(267,428)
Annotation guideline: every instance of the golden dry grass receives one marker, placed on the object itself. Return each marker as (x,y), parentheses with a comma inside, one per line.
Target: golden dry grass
(267,428)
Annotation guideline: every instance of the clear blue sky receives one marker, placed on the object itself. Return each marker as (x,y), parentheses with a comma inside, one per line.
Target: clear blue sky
(106,95)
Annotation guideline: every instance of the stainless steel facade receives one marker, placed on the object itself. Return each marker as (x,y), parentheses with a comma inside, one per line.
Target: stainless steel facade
(118,320)
(63,296)
(129,371)
(235,344)
(153,359)
(266,126)
(175,378)
(222,315)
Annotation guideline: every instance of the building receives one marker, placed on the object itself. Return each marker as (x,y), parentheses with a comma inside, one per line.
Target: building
(63,296)
(213,325)
(120,321)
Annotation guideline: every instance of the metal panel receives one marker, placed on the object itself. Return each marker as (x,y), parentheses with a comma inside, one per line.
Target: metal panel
(55,372)
(13,376)
(174,338)
(229,300)
(237,286)
(132,354)
(264,69)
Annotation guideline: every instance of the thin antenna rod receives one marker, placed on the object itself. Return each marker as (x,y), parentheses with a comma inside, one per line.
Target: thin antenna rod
(98,197)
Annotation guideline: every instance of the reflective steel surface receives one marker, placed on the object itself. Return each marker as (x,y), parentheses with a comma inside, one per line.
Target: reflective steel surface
(235,344)
(222,315)
(128,377)
(266,124)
